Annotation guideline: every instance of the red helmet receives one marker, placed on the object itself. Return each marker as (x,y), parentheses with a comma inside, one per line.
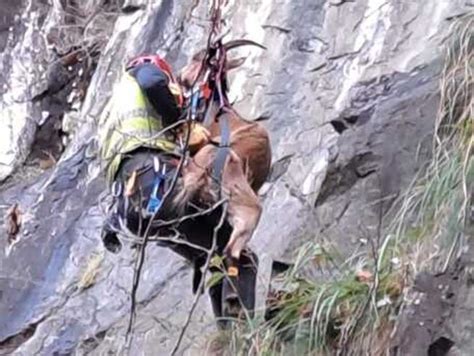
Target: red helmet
(156,60)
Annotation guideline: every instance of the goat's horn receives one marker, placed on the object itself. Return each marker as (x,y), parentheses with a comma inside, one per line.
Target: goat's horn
(238,43)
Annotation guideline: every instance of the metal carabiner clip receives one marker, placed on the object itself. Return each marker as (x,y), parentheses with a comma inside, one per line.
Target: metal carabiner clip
(156,164)
(195,103)
(116,189)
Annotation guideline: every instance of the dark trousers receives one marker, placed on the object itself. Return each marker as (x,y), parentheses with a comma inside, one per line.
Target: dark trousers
(229,294)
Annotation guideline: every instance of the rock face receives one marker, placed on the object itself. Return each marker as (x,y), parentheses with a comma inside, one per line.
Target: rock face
(19,39)
(348,91)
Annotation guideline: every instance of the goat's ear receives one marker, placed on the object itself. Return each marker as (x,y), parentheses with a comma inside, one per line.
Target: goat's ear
(235,63)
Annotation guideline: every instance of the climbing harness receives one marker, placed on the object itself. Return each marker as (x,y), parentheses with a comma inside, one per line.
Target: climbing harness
(214,89)
(223,148)
(155,201)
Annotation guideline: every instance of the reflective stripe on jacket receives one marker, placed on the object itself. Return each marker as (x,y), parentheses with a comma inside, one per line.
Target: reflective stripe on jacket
(132,123)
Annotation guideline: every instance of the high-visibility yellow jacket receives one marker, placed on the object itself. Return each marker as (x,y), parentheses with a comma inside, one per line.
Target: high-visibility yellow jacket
(130,124)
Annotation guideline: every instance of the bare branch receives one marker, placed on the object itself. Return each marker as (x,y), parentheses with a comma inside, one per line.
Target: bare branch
(202,283)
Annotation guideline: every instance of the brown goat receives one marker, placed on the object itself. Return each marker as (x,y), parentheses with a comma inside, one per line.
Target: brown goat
(246,168)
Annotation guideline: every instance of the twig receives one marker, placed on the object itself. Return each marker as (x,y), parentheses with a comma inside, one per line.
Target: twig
(161,223)
(202,282)
(180,242)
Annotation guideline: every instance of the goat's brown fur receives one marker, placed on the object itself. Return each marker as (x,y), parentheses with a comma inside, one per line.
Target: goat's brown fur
(245,171)
(246,168)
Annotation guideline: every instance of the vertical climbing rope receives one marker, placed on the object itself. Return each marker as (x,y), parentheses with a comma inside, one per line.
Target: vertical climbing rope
(214,49)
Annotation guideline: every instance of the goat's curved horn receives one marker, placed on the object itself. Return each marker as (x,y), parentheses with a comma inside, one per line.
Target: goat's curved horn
(238,43)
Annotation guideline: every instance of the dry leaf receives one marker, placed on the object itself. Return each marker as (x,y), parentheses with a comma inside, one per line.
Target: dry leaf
(91,271)
(364,276)
(233,271)
(45,164)
(13,222)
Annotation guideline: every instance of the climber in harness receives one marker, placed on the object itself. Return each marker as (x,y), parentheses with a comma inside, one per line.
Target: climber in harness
(139,145)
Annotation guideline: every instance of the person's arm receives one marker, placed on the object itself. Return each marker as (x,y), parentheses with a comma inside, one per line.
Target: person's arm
(154,84)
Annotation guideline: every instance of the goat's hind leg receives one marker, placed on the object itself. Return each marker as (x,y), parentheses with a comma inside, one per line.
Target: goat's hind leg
(194,178)
(244,207)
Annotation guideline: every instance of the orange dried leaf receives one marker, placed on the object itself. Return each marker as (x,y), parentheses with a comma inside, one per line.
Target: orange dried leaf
(233,271)
(364,276)
(13,222)
(45,164)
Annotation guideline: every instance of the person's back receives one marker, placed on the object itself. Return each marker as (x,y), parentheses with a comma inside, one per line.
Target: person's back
(143,104)
(145,101)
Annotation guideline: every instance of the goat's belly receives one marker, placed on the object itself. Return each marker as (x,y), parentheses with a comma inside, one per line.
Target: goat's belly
(252,145)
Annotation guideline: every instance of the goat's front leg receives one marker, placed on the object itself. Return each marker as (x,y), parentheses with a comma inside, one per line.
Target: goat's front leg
(244,207)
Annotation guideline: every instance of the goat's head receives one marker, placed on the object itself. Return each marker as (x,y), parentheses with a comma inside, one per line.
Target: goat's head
(189,74)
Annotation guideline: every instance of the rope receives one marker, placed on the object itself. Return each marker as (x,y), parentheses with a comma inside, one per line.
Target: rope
(213,47)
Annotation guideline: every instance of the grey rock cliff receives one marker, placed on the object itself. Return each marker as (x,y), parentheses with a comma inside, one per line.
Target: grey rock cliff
(347,89)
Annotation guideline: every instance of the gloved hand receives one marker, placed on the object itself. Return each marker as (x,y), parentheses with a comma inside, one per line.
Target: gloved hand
(198,138)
